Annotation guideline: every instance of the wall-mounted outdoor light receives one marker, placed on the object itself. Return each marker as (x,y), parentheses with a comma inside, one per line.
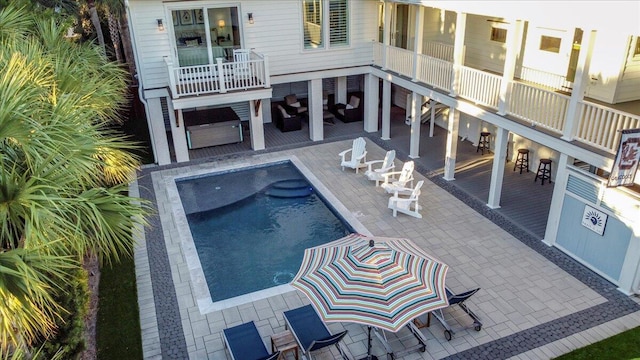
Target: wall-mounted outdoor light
(160,25)
(250,18)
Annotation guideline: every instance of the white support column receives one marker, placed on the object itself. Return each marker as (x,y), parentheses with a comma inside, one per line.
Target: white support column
(497,170)
(628,281)
(386,110)
(158,132)
(341,90)
(458,51)
(414,146)
(386,34)
(432,107)
(417,47)
(579,85)
(557,199)
(514,43)
(371,92)
(178,134)
(256,127)
(316,125)
(452,144)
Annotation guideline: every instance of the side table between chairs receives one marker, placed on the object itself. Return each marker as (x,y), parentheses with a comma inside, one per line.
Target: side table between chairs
(284,342)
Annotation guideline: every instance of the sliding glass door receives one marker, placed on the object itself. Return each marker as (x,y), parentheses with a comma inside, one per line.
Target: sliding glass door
(204,34)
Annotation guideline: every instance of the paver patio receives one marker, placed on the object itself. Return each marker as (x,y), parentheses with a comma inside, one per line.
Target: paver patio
(535,302)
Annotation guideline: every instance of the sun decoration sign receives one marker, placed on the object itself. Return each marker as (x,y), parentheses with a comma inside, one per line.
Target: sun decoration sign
(594,220)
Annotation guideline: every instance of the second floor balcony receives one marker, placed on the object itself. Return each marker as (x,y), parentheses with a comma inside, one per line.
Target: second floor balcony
(540,99)
(246,70)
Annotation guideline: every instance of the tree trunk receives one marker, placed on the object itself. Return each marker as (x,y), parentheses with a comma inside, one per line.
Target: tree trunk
(127,47)
(114,33)
(95,21)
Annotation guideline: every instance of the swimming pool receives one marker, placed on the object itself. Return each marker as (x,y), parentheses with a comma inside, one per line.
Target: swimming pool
(255,226)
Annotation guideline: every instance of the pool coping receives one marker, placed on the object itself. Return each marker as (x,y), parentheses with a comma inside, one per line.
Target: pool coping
(201,290)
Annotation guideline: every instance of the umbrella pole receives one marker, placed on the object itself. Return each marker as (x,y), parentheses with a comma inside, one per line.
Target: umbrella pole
(369,356)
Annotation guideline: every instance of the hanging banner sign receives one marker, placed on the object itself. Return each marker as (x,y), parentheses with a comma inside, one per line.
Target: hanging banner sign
(625,167)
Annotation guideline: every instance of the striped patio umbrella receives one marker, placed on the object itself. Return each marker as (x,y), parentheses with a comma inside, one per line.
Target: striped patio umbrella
(374,281)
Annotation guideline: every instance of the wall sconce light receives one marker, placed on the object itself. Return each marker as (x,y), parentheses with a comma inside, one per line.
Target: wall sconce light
(250,18)
(160,25)
(221,23)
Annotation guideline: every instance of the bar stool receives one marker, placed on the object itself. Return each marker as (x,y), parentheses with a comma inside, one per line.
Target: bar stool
(483,142)
(544,171)
(522,160)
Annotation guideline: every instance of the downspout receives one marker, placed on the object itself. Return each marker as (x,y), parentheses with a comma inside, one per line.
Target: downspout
(139,78)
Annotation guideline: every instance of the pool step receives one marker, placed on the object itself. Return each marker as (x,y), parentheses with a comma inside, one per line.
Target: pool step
(290,189)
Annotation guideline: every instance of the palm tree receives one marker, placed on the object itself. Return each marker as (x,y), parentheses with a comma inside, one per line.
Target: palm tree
(63,172)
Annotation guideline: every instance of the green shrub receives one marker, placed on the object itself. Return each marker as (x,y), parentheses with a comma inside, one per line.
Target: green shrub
(69,341)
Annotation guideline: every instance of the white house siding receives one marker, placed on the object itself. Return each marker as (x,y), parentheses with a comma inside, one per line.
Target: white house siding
(480,51)
(548,61)
(439,26)
(151,44)
(629,86)
(277,33)
(608,59)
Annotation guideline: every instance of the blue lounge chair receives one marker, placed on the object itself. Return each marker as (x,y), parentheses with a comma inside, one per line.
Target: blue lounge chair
(458,299)
(244,343)
(310,332)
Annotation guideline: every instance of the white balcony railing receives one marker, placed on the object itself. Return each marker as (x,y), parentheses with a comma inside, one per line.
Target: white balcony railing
(400,60)
(544,79)
(435,72)
(598,126)
(220,77)
(480,87)
(540,107)
(438,50)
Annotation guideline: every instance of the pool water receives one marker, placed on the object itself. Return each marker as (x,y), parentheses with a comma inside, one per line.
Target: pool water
(256,238)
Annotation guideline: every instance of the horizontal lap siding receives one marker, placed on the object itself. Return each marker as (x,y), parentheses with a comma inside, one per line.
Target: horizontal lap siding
(480,52)
(628,88)
(152,45)
(276,32)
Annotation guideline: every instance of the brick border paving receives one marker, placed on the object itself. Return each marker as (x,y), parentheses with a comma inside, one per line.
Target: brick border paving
(617,306)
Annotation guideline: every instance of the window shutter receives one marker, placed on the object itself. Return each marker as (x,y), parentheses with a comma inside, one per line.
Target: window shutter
(338,23)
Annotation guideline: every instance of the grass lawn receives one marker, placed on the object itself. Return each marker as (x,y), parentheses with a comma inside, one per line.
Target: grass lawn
(624,346)
(118,325)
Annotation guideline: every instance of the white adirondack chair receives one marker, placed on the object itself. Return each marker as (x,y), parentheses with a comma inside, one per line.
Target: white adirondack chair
(407,205)
(376,168)
(358,155)
(391,184)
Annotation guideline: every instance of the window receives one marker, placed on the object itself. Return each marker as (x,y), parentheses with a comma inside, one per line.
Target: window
(338,23)
(325,18)
(204,34)
(498,34)
(312,22)
(550,43)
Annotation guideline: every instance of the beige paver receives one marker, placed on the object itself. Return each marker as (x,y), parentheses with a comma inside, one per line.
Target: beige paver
(520,288)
